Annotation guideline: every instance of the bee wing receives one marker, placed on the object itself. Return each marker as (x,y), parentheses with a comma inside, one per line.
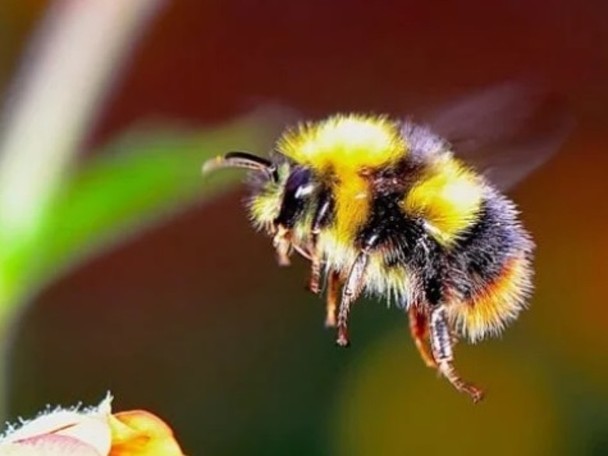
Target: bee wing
(505,132)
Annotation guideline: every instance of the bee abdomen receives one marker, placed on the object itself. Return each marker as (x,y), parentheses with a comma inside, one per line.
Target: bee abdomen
(488,245)
(491,273)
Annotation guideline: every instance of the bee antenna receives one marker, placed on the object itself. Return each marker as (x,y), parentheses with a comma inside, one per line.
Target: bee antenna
(246,160)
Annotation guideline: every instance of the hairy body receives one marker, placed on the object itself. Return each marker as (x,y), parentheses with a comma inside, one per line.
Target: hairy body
(385,207)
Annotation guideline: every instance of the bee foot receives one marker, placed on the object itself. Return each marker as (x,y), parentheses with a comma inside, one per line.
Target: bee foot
(342,339)
(475,393)
(313,287)
(330,321)
(283,260)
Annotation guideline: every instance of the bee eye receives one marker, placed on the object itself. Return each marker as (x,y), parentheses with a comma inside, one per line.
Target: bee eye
(298,180)
(298,187)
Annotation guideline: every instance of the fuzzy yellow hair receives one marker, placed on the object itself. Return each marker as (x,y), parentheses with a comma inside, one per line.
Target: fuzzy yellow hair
(344,143)
(448,198)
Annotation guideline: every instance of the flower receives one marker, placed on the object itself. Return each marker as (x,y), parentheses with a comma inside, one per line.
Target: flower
(91,432)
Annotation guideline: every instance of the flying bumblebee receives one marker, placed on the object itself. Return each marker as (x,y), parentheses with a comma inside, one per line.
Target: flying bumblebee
(390,208)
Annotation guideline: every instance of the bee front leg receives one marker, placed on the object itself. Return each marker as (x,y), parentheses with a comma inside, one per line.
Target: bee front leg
(351,291)
(419,329)
(320,218)
(315,266)
(282,244)
(442,346)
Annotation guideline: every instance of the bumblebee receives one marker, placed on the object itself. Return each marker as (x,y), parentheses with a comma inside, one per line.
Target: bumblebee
(385,207)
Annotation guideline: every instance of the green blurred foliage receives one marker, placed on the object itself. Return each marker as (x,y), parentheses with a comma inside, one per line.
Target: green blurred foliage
(144,177)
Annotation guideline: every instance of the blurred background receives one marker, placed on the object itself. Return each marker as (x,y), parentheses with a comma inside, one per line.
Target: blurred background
(192,319)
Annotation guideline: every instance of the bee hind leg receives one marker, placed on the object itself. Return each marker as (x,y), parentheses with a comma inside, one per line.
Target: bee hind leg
(419,329)
(351,291)
(442,347)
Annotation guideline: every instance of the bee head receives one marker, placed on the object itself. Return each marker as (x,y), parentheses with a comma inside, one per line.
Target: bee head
(281,189)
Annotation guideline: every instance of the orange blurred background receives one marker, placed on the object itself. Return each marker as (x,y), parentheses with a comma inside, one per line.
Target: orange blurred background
(193,319)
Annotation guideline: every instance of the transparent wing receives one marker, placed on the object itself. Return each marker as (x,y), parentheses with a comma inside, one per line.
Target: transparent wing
(505,131)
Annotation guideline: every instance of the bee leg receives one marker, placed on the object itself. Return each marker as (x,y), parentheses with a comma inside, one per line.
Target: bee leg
(419,329)
(320,218)
(315,266)
(333,290)
(351,291)
(282,244)
(442,346)
(315,275)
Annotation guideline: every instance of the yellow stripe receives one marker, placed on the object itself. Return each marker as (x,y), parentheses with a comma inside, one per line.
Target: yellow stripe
(352,199)
(344,143)
(448,197)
